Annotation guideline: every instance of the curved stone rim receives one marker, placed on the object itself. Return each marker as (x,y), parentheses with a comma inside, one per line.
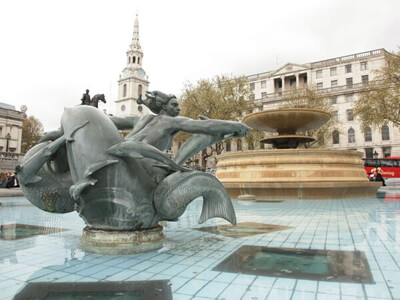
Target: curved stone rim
(259,120)
(281,152)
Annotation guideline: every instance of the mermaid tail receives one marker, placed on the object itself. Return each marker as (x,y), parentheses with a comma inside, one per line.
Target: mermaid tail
(175,192)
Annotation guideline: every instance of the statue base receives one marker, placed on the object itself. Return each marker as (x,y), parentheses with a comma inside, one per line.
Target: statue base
(120,242)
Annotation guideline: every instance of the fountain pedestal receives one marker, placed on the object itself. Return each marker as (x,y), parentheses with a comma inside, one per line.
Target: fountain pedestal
(289,173)
(121,242)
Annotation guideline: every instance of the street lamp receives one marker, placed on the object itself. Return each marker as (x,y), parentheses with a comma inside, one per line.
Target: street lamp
(375,156)
(8,137)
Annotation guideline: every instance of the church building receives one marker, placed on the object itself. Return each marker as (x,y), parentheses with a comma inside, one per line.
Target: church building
(133,80)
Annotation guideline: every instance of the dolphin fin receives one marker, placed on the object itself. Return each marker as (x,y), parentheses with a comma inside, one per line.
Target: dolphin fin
(137,149)
(34,179)
(68,136)
(77,189)
(98,166)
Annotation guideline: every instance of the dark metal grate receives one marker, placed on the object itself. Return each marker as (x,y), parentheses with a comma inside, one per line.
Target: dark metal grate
(326,265)
(104,290)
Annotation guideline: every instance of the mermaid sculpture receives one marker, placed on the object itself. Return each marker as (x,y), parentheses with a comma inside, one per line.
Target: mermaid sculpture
(126,184)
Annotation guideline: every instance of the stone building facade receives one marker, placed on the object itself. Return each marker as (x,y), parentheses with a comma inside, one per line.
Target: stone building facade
(133,80)
(340,79)
(11,121)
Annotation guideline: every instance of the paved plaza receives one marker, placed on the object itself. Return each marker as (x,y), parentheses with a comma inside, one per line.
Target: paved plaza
(189,258)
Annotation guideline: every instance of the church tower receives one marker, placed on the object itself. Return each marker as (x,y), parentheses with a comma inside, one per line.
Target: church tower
(133,80)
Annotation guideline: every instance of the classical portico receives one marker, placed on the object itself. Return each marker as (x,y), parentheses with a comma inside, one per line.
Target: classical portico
(290,76)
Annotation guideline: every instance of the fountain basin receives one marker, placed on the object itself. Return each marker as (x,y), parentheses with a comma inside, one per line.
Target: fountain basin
(295,174)
(287,120)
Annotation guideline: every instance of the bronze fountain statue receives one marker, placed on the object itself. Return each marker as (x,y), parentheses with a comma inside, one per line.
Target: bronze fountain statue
(126,184)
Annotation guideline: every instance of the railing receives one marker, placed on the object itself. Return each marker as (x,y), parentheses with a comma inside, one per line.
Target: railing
(332,91)
(11,156)
(347,58)
(8,160)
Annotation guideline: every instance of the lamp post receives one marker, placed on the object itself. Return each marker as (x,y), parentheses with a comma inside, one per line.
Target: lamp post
(8,137)
(375,156)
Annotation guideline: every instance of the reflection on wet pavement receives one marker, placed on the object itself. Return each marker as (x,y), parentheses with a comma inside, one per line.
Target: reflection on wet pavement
(20,231)
(243,229)
(343,266)
(188,258)
(128,290)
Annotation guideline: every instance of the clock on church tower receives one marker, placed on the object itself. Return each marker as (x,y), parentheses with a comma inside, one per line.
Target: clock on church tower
(133,80)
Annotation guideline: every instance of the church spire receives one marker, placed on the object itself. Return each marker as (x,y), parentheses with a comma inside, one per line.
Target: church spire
(135,44)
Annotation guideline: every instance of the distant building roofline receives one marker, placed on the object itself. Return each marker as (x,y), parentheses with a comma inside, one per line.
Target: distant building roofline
(7,106)
(329,61)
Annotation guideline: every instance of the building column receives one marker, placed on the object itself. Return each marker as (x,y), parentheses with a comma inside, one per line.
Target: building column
(297,81)
(283,83)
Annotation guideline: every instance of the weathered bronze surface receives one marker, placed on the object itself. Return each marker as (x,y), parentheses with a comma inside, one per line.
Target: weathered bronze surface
(118,183)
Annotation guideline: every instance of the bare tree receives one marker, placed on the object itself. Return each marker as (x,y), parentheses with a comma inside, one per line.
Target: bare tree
(380,103)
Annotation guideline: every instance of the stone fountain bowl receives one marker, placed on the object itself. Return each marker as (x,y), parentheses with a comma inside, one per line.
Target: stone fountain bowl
(287,120)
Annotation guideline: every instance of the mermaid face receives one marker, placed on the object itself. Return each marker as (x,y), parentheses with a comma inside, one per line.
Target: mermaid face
(172,108)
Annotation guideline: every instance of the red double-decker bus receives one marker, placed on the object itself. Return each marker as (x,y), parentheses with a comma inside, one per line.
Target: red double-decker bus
(390,166)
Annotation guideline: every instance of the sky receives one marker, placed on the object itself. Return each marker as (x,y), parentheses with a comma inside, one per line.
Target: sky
(53,50)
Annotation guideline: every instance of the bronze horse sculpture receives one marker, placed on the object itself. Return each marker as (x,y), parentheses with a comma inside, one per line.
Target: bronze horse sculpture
(94,101)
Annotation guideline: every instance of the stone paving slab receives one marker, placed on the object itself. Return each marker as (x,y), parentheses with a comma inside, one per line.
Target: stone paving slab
(14,192)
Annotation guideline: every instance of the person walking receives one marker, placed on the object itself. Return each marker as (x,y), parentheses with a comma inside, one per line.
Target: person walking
(379,176)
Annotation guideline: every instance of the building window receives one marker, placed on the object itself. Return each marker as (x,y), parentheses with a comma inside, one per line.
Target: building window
(335,115)
(333,71)
(363,65)
(263,84)
(138,60)
(318,73)
(351,136)
(334,100)
(140,90)
(133,59)
(335,137)
(320,85)
(123,107)
(263,95)
(349,114)
(262,146)
(252,85)
(348,68)
(239,145)
(349,82)
(124,88)
(364,79)
(228,146)
(386,151)
(369,153)
(349,98)
(333,83)
(368,134)
(252,96)
(385,133)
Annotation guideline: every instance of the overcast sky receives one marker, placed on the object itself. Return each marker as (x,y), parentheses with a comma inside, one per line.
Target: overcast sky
(51,51)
